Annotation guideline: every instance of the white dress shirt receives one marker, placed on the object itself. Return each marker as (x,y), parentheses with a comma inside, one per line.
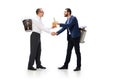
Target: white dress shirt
(38,26)
(68,20)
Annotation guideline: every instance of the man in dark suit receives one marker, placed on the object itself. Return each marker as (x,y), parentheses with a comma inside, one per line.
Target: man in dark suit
(73,37)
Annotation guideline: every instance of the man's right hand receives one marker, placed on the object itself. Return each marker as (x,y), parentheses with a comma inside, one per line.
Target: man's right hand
(53,33)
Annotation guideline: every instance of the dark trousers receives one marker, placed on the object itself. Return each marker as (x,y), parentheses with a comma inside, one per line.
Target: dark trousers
(35,49)
(73,42)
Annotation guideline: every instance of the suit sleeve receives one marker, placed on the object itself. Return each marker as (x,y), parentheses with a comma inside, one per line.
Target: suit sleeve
(70,24)
(65,26)
(61,30)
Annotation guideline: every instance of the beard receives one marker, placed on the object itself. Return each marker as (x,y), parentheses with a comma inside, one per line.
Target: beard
(65,15)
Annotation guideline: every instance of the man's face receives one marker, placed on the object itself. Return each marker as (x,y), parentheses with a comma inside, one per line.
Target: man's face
(41,13)
(65,13)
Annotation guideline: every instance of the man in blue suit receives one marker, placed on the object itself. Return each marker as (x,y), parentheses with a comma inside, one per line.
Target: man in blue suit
(73,37)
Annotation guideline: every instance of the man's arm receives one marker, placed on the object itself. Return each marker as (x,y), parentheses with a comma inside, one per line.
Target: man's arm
(60,31)
(65,26)
(70,24)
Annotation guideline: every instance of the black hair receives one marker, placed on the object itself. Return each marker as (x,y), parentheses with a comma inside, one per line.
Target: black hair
(38,10)
(69,10)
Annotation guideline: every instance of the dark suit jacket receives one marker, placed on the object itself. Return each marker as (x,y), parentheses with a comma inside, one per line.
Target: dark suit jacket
(72,26)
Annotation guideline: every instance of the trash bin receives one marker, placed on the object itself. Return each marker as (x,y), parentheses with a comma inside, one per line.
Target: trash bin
(27,25)
(82,35)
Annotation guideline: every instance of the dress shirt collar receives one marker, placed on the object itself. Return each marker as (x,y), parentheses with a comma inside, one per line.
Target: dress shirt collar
(38,17)
(69,17)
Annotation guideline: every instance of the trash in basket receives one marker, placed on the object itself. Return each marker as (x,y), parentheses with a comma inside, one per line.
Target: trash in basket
(27,24)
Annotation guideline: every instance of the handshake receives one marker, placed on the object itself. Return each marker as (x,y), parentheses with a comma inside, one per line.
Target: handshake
(53,33)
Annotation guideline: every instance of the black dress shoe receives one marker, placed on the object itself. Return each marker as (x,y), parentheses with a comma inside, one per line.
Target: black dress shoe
(41,67)
(31,68)
(77,69)
(63,67)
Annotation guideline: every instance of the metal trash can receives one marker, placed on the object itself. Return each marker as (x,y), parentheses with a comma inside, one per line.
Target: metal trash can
(27,24)
(83,34)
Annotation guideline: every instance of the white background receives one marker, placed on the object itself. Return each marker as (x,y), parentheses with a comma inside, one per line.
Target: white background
(100,53)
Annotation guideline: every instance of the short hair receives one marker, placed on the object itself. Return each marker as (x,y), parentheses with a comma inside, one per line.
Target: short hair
(38,10)
(69,10)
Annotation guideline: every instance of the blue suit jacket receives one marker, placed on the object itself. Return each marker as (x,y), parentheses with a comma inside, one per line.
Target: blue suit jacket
(72,26)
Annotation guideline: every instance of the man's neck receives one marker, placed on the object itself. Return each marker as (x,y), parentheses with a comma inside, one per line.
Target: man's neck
(68,16)
(39,16)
